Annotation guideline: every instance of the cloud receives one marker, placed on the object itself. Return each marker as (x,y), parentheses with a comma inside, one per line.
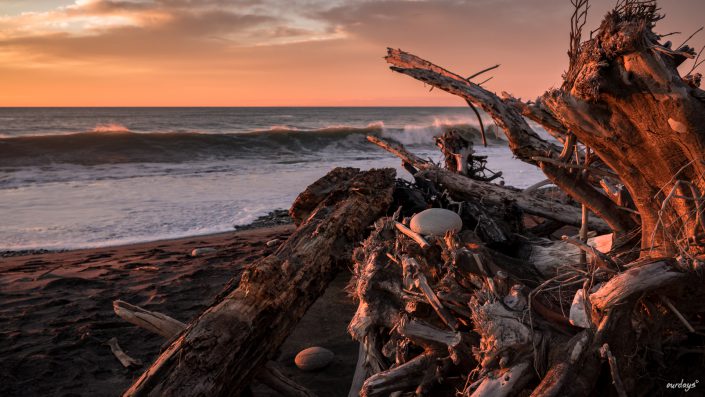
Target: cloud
(281,52)
(90,28)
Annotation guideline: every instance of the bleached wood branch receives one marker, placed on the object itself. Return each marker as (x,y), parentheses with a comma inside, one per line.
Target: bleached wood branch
(158,323)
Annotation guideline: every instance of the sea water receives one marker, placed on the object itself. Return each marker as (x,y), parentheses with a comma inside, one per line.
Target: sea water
(89,177)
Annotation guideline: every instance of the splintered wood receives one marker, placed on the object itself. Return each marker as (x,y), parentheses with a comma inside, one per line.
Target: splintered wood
(421,317)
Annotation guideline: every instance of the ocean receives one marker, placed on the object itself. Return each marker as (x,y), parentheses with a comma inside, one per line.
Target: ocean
(90,177)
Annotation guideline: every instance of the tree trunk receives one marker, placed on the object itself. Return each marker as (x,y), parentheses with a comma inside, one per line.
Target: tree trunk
(220,352)
(624,98)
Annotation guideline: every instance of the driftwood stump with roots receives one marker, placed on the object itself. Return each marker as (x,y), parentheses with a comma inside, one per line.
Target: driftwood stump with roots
(452,315)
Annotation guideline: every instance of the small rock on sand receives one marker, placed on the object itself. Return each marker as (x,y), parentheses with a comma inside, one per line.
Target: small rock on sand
(436,222)
(203,251)
(313,358)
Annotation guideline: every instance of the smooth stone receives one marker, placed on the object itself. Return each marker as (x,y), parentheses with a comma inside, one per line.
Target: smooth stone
(313,358)
(203,251)
(436,221)
(272,243)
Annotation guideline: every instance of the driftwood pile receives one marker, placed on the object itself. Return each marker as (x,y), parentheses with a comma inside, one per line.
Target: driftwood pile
(489,310)
(591,287)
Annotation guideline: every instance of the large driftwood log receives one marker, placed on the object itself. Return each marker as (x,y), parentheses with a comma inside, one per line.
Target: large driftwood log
(221,351)
(464,188)
(308,200)
(623,96)
(169,327)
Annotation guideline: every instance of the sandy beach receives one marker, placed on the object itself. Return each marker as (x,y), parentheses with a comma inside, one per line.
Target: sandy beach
(57,312)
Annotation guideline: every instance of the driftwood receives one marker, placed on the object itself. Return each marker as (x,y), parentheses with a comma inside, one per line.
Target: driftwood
(158,323)
(467,189)
(457,148)
(120,354)
(524,142)
(632,131)
(169,327)
(224,347)
(307,201)
(413,326)
(420,240)
(271,376)
(492,310)
(504,383)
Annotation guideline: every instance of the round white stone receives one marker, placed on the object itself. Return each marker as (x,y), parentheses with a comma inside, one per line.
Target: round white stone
(313,358)
(436,221)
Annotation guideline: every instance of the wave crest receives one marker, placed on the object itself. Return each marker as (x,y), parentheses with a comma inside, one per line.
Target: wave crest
(110,127)
(115,143)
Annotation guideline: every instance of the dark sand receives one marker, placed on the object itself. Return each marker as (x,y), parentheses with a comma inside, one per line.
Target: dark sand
(56,313)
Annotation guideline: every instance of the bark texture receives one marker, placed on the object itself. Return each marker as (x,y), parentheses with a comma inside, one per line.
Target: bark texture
(624,97)
(220,352)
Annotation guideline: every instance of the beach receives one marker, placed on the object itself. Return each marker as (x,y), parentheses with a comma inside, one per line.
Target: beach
(105,204)
(330,198)
(57,312)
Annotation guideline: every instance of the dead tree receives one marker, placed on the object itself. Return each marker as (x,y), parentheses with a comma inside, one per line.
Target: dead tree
(220,352)
(623,116)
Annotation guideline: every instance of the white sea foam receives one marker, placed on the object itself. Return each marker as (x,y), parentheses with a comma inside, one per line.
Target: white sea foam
(131,188)
(110,127)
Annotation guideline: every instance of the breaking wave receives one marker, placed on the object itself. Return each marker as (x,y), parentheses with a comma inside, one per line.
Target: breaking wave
(115,143)
(111,127)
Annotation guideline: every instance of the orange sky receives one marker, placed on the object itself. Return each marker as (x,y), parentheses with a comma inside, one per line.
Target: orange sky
(283,53)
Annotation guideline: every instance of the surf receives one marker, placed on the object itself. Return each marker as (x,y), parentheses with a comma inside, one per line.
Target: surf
(116,143)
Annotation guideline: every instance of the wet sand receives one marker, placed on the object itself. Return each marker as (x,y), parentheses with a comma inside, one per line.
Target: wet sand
(56,313)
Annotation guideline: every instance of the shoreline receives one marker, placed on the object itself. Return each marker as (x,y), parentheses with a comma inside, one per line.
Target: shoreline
(57,309)
(272,219)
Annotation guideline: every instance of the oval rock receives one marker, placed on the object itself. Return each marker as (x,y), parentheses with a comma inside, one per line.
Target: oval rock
(313,358)
(436,221)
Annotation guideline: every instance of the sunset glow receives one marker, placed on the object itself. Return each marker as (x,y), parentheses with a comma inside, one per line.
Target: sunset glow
(269,52)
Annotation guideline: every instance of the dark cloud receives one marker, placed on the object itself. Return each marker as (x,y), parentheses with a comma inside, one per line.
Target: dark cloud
(165,29)
(179,35)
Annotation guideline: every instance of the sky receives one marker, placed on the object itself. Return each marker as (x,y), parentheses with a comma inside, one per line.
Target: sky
(284,52)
